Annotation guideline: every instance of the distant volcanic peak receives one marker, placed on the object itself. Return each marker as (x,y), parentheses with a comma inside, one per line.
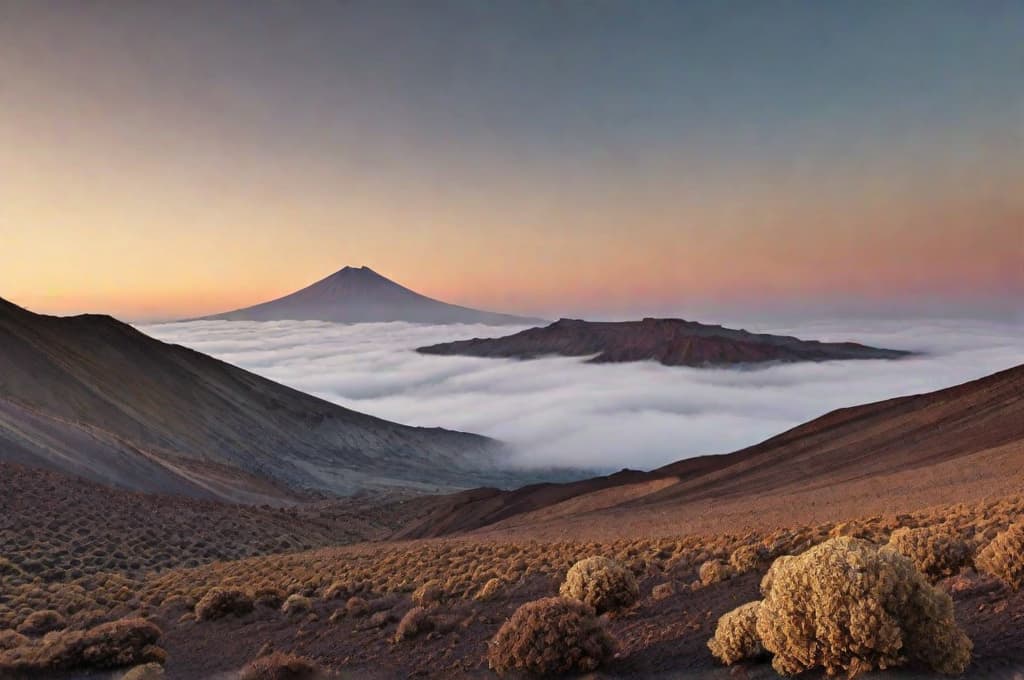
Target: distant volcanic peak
(360,294)
(673,342)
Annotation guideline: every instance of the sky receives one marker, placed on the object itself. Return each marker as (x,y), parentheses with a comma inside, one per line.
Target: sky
(565,412)
(168,159)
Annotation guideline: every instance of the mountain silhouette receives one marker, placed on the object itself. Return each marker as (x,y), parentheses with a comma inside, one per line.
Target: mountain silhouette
(360,295)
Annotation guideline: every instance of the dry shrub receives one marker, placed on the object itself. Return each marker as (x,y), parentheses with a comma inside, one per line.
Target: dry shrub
(601,582)
(936,553)
(489,590)
(551,636)
(338,590)
(280,666)
(220,602)
(736,635)
(663,590)
(42,622)
(116,644)
(271,598)
(416,621)
(747,558)
(846,605)
(149,671)
(429,593)
(714,571)
(296,605)
(357,606)
(778,565)
(9,639)
(1004,557)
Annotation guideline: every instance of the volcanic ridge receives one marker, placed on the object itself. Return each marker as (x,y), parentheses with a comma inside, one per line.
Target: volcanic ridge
(673,342)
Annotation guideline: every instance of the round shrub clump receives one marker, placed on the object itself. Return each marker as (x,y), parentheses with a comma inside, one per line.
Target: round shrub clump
(9,639)
(42,622)
(125,642)
(221,602)
(714,571)
(357,606)
(280,666)
(148,671)
(936,553)
(552,636)
(747,558)
(416,621)
(296,605)
(849,606)
(736,635)
(489,590)
(427,594)
(1004,557)
(601,582)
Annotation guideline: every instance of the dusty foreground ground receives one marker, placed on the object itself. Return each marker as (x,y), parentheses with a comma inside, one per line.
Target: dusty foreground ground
(356,596)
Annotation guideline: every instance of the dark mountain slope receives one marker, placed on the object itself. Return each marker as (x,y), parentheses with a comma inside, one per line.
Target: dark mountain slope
(94,396)
(673,342)
(967,439)
(359,294)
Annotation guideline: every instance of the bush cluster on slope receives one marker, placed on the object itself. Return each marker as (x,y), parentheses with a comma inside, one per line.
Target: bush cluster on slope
(1004,557)
(220,602)
(936,552)
(736,635)
(603,583)
(116,644)
(551,636)
(848,606)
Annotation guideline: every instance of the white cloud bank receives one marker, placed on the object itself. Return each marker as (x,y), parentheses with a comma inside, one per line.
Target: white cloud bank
(561,411)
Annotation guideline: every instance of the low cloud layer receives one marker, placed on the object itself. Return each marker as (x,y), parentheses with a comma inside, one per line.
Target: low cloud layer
(561,411)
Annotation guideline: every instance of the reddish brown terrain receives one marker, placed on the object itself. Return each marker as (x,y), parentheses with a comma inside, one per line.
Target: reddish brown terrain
(673,342)
(949,461)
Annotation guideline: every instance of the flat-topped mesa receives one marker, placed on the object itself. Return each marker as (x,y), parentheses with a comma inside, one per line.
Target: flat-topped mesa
(361,295)
(673,342)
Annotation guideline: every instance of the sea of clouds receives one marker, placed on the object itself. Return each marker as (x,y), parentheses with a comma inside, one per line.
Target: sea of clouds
(562,411)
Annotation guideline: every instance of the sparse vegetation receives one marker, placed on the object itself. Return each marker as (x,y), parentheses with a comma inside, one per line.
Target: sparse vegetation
(602,583)
(552,636)
(42,622)
(220,602)
(489,590)
(280,666)
(116,644)
(936,552)
(1004,557)
(714,571)
(297,605)
(357,606)
(430,593)
(382,578)
(147,671)
(415,622)
(848,606)
(736,635)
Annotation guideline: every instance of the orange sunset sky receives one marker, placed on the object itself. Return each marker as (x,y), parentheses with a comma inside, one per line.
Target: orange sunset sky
(172,161)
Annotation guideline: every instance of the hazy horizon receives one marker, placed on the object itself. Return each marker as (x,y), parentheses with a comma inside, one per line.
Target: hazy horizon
(602,159)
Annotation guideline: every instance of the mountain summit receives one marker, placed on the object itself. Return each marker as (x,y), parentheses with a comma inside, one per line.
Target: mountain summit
(358,295)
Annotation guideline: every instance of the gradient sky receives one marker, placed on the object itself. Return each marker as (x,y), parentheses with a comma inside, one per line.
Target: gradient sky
(557,157)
